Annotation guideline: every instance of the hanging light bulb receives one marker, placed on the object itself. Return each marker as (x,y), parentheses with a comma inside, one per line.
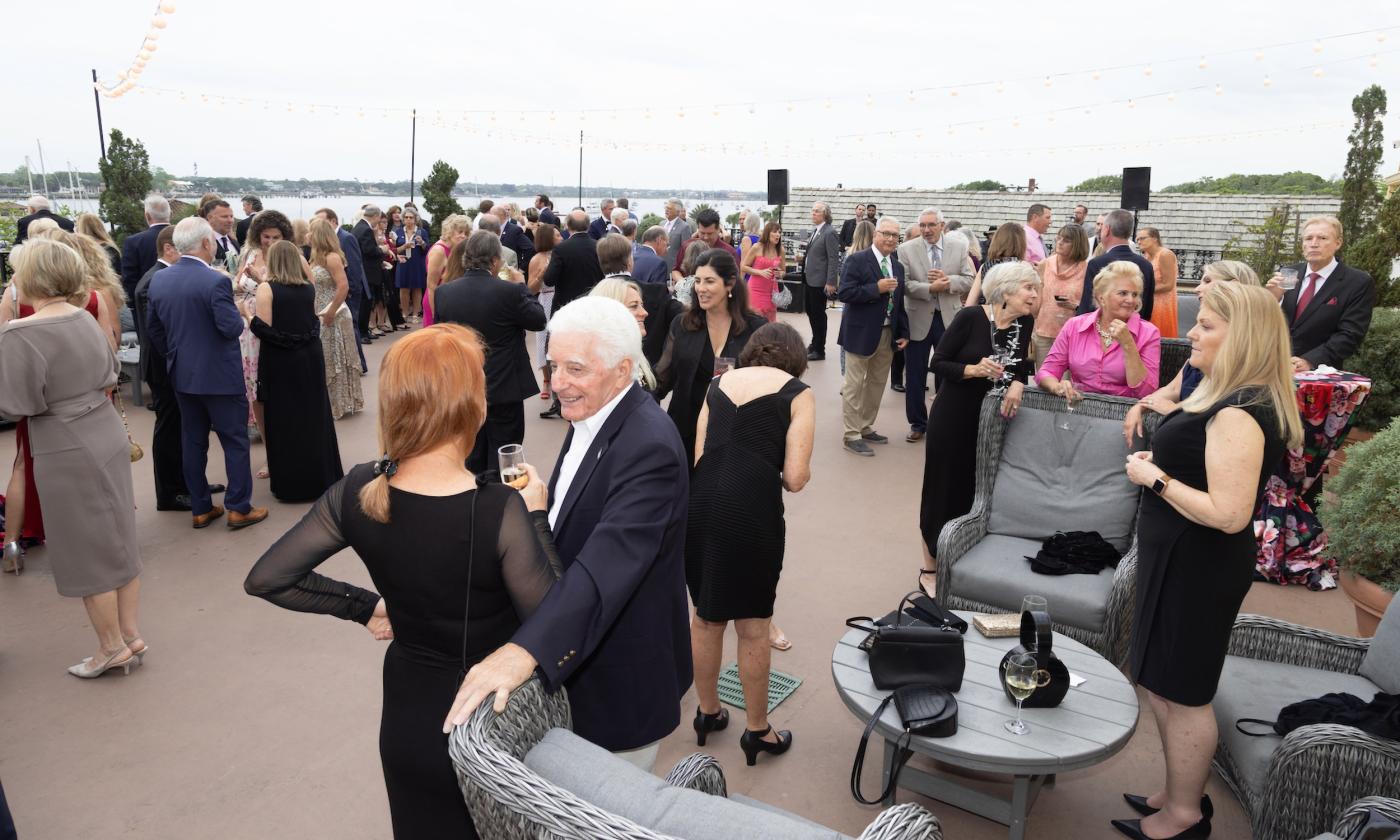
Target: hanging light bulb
(1047,81)
(144,54)
(168,8)
(1259,56)
(953,92)
(1001,87)
(827,104)
(1203,64)
(1132,103)
(791,107)
(869,101)
(158,21)
(1147,71)
(1318,73)
(1219,89)
(1373,62)
(1096,76)
(911,96)
(1016,123)
(1171,97)
(150,46)
(680,114)
(1268,82)
(1317,46)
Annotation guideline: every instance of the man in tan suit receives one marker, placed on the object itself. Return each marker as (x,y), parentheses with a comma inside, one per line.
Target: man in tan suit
(938,275)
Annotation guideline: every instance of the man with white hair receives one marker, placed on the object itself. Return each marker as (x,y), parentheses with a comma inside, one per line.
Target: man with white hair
(873,326)
(193,322)
(678,230)
(618,218)
(615,628)
(599,227)
(139,249)
(39,209)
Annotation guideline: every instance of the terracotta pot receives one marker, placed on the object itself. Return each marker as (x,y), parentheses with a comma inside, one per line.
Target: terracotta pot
(1369,599)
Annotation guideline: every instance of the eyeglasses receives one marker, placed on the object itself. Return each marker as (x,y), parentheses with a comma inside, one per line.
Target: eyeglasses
(893,233)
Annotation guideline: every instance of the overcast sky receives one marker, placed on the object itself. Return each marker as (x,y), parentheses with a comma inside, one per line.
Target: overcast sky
(793,76)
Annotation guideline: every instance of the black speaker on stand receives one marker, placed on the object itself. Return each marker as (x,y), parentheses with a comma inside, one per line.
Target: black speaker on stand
(1137,188)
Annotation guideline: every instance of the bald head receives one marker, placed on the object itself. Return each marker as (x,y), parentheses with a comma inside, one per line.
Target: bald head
(577,221)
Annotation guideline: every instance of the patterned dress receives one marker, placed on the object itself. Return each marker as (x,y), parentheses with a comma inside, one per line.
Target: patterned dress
(244,290)
(338,347)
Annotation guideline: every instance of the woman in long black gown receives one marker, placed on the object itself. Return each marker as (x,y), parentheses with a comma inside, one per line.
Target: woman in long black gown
(458,566)
(964,361)
(1208,466)
(303,454)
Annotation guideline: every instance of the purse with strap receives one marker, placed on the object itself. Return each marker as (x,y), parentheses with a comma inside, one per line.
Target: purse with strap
(912,653)
(1052,677)
(925,710)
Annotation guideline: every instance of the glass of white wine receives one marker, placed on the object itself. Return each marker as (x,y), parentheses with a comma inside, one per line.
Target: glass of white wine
(511,458)
(1022,679)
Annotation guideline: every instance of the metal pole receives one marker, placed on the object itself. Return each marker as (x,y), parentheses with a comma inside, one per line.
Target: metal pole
(412,155)
(101,136)
(43,170)
(580,168)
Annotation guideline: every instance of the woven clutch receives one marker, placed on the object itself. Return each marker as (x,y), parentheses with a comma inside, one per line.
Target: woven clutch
(997,625)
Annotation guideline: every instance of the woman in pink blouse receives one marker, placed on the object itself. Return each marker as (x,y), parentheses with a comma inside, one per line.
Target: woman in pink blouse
(1111,350)
(1062,284)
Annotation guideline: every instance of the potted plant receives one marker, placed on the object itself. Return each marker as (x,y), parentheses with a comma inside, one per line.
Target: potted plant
(1363,530)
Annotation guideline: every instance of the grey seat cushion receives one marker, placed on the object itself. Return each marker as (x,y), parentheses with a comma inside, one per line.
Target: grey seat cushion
(1051,479)
(1382,662)
(1187,307)
(996,572)
(597,776)
(754,803)
(1251,688)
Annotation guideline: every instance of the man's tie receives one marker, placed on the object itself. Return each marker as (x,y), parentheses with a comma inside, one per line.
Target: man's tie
(885,272)
(1306,297)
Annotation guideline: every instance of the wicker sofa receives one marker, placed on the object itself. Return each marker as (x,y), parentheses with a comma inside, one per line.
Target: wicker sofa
(1033,479)
(1298,785)
(1175,352)
(524,774)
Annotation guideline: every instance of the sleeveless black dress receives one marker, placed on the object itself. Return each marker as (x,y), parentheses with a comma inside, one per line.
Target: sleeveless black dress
(303,454)
(735,532)
(1191,579)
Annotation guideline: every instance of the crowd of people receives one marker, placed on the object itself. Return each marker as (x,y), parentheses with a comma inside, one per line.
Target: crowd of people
(604,577)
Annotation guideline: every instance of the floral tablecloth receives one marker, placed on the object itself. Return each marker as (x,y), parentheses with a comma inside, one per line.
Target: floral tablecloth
(1292,544)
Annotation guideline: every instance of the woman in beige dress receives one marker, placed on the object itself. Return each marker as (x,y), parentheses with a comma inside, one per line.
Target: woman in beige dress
(337,328)
(57,368)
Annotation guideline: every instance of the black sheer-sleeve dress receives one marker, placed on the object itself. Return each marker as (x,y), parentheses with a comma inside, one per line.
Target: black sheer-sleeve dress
(419,563)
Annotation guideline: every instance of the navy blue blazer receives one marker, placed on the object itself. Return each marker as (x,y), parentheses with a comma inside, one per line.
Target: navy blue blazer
(138,255)
(647,267)
(598,228)
(1118,252)
(354,265)
(864,315)
(193,322)
(615,629)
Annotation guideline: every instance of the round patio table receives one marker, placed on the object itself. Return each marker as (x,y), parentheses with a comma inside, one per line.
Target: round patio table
(1095,721)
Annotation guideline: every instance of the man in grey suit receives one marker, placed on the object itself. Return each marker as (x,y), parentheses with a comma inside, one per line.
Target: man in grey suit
(678,230)
(822,267)
(937,277)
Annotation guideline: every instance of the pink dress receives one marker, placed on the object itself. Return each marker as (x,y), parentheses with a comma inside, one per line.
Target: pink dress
(427,298)
(761,288)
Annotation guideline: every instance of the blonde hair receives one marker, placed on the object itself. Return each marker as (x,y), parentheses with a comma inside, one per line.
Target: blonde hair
(1257,352)
(98,275)
(323,242)
(1331,221)
(38,226)
(616,288)
(863,237)
(432,389)
(1232,270)
(89,224)
(456,223)
(1115,271)
(300,231)
(46,268)
(284,264)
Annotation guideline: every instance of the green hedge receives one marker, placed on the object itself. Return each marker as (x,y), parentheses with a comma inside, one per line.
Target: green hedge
(1379,358)
(1362,530)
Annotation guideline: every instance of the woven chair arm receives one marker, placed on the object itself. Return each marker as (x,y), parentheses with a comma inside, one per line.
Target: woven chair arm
(956,539)
(904,822)
(1317,772)
(1271,640)
(1118,614)
(701,772)
(1356,813)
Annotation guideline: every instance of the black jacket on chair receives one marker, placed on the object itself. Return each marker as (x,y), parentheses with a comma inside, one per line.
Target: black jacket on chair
(1336,320)
(501,311)
(573,270)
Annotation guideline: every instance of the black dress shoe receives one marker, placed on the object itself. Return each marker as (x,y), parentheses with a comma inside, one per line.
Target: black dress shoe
(551,412)
(752,744)
(215,488)
(1133,829)
(815,356)
(897,387)
(1139,804)
(180,502)
(705,724)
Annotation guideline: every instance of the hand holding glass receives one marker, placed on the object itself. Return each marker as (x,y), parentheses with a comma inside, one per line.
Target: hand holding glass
(1288,278)
(511,458)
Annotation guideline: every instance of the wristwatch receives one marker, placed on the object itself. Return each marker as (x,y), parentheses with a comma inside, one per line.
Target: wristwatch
(1160,485)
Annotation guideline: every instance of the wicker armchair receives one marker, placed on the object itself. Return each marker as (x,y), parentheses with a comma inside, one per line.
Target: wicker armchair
(1356,814)
(1315,771)
(1175,352)
(1110,637)
(508,800)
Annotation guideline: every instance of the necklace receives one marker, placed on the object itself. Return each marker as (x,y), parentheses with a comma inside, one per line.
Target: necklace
(1104,337)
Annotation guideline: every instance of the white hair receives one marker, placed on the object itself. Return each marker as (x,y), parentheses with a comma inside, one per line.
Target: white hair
(613,328)
(676,204)
(1005,278)
(934,211)
(37,203)
(892,220)
(620,215)
(753,222)
(157,208)
(190,234)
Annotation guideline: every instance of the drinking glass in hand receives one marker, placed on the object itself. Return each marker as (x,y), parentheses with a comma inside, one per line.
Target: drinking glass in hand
(1288,278)
(1021,681)
(511,458)
(724,364)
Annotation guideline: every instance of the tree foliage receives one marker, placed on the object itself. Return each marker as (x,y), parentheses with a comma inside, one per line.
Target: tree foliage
(696,210)
(985,185)
(1361,197)
(1287,183)
(1100,183)
(438,202)
(1376,252)
(1269,244)
(127,174)
(648,221)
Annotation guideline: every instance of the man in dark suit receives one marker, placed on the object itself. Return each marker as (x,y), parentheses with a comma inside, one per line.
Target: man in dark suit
(1117,228)
(848,227)
(573,271)
(821,267)
(649,259)
(514,237)
(616,256)
(192,321)
(252,206)
(500,311)
(546,208)
(599,227)
(39,209)
(139,249)
(1329,310)
(873,326)
(358,292)
(219,215)
(615,628)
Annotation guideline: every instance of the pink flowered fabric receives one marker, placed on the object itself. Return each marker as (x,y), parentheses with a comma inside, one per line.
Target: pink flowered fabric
(1292,543)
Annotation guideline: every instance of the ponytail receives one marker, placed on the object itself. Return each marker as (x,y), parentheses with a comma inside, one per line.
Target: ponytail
(374,499)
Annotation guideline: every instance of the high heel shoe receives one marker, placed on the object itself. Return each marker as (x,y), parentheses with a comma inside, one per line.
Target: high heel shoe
(1139,804)
(13,559)
(139,653)
(89,669)
(705,724)
(752,743)
(922,573)
(1133,829)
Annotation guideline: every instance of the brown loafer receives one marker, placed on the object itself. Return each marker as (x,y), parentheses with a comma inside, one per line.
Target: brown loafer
(914,437)
(238,520)
(202,520)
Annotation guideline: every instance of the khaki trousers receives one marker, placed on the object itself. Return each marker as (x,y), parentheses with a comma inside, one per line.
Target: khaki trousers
(864,386)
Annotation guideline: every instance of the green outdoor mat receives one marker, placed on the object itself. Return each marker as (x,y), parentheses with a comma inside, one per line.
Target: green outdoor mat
(780,687)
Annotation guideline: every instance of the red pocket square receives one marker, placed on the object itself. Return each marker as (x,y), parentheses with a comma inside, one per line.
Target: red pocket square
(1332,302)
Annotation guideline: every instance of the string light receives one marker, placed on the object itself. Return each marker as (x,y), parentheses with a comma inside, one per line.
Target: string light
(1268,82)
(1318,72)
(126,80)
(1219,89)
(1203,64)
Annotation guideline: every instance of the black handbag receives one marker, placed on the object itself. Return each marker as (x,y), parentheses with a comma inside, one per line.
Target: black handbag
(909,652)
(1052,677)
(925,710)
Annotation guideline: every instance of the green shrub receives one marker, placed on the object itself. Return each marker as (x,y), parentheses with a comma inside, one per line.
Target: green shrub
(1362,528)
(1378,358)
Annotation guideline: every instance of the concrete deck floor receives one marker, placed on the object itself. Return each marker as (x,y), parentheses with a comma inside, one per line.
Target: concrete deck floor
(251,722)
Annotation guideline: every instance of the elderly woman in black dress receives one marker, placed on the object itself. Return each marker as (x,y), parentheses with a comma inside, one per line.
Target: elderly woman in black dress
(1207,469)
(479,564)
(966,361)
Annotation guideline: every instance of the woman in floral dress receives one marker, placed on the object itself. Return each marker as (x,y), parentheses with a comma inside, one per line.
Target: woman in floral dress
(337,328)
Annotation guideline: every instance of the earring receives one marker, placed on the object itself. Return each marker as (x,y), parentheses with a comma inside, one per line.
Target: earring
(731,294)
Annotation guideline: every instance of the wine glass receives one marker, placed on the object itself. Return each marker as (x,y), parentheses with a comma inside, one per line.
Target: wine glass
(1021,682)
(1035,603)
(511,458)
(724,364)
(1004,358)
(1069,409)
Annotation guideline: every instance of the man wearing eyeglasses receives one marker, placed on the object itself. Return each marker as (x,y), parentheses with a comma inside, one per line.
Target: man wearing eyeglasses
(873,326)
